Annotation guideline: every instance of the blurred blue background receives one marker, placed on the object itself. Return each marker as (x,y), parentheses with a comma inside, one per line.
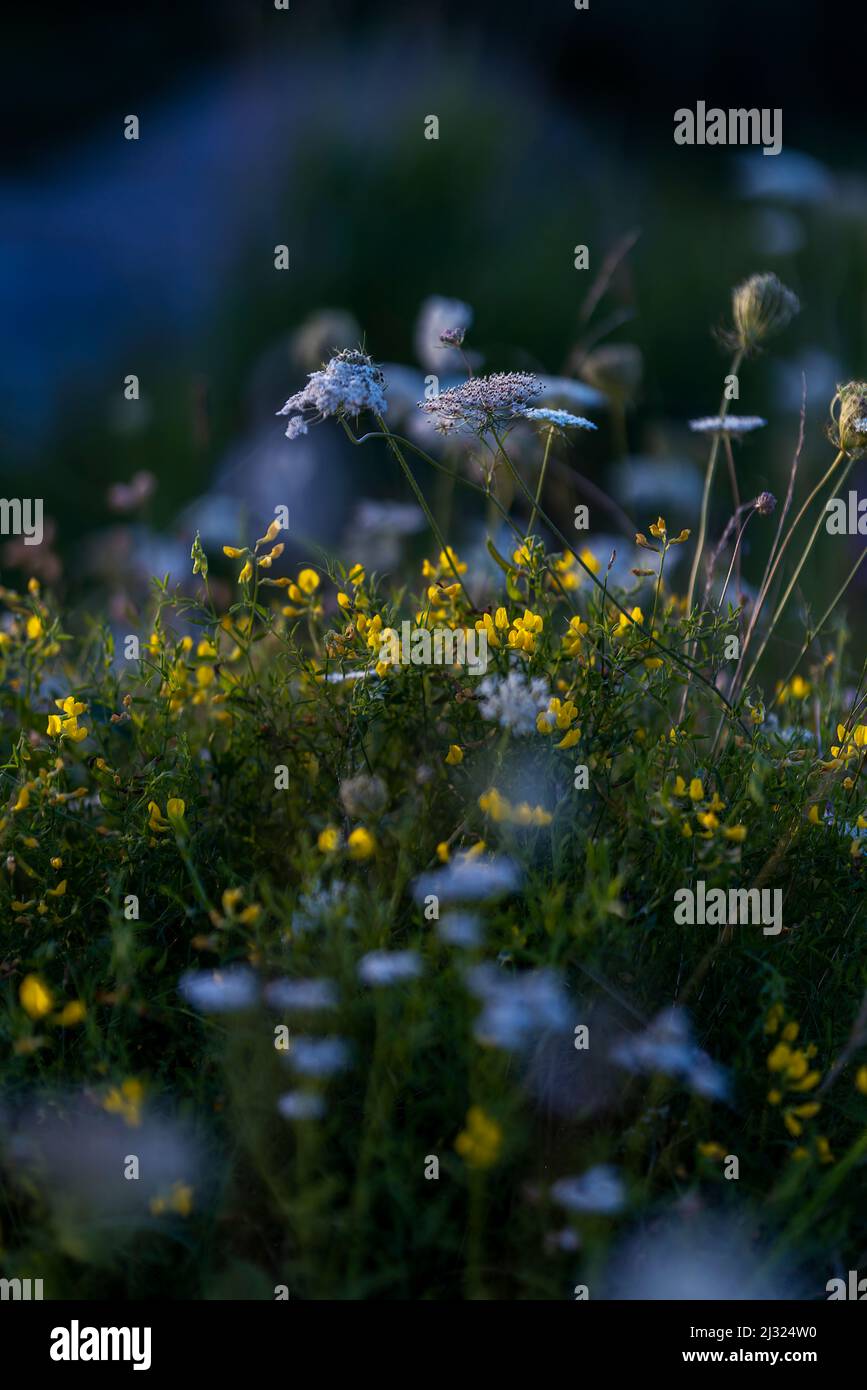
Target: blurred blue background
(261,127)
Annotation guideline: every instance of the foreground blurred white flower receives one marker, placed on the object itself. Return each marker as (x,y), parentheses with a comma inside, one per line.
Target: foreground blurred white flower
(389,967)
(513,701)
(517,1008)
(600,1189)
(469,878)
(350,383)
(666,1046)
(306,996)
(301,1105)
(219,991)
(318,1056)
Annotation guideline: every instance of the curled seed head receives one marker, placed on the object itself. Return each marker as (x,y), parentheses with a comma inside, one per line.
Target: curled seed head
(762,305)
(848,427)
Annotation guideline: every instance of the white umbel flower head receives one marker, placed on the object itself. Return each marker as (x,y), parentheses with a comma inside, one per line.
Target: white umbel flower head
(563,419)
(482,402)
(349,384)
(731,424)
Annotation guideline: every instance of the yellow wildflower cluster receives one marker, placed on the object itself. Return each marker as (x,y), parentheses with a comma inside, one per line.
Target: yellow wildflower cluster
(575,633)
(566,571)
(793,1077)
(302,593)
(360,844)
(560,716)
(495,627)
(707,812)
(37,1001)
(175,811)
(500,809)
(523,632)
(357,600)
(254,562)
(480,1142)
(179,1201)
(659,531)
(126,1100)
(68,726)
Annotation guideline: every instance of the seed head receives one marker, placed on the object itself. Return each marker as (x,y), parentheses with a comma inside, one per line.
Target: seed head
(848,427)
(762,305)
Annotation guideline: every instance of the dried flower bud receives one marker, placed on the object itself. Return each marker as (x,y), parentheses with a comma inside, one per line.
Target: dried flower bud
(765,503)
(761,306)
(848,427)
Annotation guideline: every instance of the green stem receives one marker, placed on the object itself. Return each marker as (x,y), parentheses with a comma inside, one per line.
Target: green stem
(541,481)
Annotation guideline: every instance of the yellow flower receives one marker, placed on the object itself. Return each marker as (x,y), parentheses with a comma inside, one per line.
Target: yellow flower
(480,1142)
(443,854)
(454,755)
(156,822)
(861,1080)
(71,1013)
(57,892)
(328,839)
(626,620)
(696,789)
(711,1150)
(35,996)
(126,1100)
(246,573)
(308,581)
(361,844)
(232,551)
(175,808)
(23,798)
(737,833)
(34,627)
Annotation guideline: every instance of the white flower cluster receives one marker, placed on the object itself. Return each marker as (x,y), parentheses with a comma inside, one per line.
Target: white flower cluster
(731,424)
(563,419)
(516,1009)
(513,702)
(482,401)
(666,1046)
(350,383)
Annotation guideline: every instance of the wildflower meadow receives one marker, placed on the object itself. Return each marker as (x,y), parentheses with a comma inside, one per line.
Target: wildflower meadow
(485,923)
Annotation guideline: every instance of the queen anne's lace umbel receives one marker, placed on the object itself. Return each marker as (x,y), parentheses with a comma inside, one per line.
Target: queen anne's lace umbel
(482,401)
(347,385)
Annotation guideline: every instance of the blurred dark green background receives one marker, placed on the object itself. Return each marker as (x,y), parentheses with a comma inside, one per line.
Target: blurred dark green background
(262,127)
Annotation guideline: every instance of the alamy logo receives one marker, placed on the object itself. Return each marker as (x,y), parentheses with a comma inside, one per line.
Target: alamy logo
(714,907)
(737,126)
(22,517)
(846,518)
(76,1343)
(838,1288)
(439,646)
(23,1289)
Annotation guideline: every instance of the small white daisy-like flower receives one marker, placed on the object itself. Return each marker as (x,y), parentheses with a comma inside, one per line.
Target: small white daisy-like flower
(730,424)
(349,384)
(482,402)
(563,419)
